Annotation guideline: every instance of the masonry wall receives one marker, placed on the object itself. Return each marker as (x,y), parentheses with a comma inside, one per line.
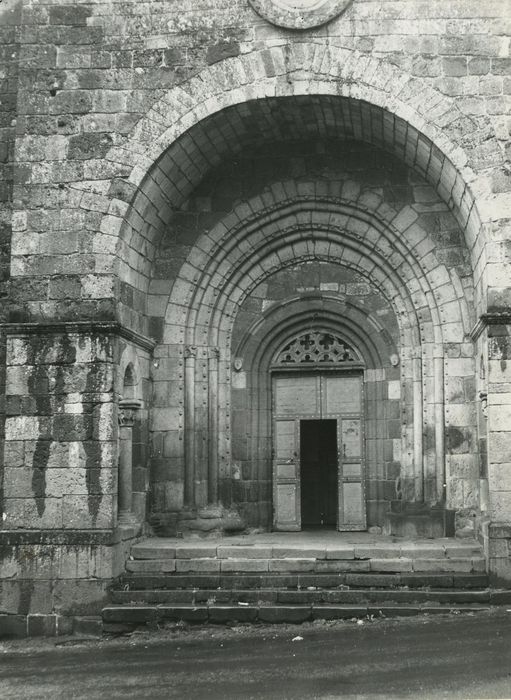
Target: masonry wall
(80,80)
(74,104)
(10,16)
(61,545)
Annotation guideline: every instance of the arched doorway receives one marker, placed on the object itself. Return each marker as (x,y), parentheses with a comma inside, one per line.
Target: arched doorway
(308,191)
(318,434)
(361,328)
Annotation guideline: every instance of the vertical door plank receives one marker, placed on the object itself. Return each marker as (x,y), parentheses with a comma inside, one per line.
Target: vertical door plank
(286,480)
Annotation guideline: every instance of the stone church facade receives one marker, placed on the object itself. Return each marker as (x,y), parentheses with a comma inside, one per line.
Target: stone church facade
(246,243)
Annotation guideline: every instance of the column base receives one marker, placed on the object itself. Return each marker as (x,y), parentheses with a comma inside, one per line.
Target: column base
(127,518)
(212,520)
(417,520)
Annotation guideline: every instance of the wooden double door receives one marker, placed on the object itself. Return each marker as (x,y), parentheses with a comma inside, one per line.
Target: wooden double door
(318,451)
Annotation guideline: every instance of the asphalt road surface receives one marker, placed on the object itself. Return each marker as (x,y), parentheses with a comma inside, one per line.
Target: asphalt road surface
(448,657)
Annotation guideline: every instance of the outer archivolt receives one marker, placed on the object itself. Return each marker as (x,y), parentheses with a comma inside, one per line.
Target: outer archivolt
(299,14)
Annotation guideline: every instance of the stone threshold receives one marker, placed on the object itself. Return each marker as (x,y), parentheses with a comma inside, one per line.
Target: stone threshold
(228,564)
(305,546)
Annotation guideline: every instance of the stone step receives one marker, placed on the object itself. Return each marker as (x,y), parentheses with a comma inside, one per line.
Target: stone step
(304,564)
(122,618)
(162,549)
(317,596)
(237,581)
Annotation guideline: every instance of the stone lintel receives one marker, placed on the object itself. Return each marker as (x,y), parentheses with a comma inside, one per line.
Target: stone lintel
(80,328)
(497,318)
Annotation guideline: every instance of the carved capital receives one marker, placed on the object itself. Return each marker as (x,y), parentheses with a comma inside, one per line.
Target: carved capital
(214,353)
(483,395)
(127,412)
(190,352)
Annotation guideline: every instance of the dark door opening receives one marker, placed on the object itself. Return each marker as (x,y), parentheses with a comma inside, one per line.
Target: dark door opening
(318,472)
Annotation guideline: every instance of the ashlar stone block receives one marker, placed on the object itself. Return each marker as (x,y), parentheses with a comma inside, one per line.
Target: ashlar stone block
(91,511)
(500,506)
(499,447)
(499,476)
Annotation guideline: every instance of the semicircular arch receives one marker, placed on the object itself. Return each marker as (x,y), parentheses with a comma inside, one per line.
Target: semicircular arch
(417,122)
(227,262)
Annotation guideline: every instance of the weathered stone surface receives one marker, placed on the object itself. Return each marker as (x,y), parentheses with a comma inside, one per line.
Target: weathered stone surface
(161,565)
(225,614)
(198,565)
(290,564)
(284,613)
(400,564)
(248,552)
(261,565)
(168,209)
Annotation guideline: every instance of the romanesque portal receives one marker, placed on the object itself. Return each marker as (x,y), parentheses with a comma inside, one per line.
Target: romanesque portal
(258,278)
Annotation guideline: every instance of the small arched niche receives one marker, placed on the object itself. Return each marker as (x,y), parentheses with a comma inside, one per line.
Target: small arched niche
(129,406)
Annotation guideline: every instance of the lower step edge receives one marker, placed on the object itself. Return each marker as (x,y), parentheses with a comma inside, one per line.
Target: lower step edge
(225,614)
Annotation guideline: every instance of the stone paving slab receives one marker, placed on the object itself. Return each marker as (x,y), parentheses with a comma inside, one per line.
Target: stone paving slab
(244,552)
(400,564)
(339,565)
(250,565)
(297,551)
(383,551)
(152,565)
(197,565)
(413,551)
(447,565)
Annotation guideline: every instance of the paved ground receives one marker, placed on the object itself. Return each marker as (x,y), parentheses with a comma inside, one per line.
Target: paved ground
(448,657)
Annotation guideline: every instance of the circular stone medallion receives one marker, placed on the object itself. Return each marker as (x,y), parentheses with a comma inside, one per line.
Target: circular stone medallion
(299,14)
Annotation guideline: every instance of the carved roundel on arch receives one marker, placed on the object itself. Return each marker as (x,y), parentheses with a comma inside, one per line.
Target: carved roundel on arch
(299,14)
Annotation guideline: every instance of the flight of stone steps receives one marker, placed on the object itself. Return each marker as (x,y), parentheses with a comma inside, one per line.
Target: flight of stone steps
(228,582)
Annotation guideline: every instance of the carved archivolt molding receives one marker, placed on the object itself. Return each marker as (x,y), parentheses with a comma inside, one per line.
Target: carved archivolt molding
(316,347)
(299,14)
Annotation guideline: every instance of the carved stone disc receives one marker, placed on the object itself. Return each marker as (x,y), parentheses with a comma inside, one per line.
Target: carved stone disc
(299,14)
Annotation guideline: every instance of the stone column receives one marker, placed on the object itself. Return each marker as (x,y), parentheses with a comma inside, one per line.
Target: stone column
(438,371)
(190,360)
(418,417)
(213,427)
(127,413)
